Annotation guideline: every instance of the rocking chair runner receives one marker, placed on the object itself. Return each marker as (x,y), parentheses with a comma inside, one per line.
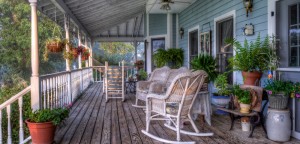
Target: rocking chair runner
(175,105)
(256,115)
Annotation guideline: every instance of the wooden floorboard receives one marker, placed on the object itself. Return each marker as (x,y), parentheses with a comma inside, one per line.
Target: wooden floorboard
(93,121)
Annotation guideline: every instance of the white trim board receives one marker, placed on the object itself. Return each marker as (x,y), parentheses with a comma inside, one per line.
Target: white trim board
(217,19)
(190,30)
(148,51)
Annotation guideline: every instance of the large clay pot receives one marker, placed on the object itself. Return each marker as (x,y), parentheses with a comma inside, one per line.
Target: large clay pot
(41,133)
(251,78)
(245,108)
(220,101)
(278,125)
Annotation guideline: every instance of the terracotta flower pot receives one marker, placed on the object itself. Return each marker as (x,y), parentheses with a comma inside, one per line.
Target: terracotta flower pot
(245,108)
(41,133)
(251,78)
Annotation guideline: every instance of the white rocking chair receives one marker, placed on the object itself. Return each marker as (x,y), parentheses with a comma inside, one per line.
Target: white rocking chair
(114,82)
(175,106)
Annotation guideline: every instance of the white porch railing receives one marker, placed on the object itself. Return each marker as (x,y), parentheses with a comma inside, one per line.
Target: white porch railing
(7,105)
(60,89)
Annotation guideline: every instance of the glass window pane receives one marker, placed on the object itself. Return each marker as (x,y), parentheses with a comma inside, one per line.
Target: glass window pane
(293,14)
(194,43)
(293,56)
(294,34)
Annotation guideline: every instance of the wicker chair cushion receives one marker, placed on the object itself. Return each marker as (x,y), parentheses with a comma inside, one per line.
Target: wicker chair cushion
(160,74)
(174,73)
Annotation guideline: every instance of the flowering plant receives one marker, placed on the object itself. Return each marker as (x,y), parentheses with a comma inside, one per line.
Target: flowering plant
(296,91)
(85,54)
(274,87)
(139,63)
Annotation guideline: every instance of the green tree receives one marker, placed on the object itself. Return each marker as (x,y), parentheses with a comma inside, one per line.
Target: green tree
(15,44)
(114,52)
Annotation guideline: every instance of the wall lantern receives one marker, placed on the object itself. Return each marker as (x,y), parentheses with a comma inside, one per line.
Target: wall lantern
(181,32)
(248,6)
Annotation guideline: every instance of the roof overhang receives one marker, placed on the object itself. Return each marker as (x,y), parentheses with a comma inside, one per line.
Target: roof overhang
(111,20)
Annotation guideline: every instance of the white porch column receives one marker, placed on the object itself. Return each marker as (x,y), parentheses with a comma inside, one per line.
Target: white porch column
(79,56)
(86,45)
(67,22)
(91,53)
(34,80)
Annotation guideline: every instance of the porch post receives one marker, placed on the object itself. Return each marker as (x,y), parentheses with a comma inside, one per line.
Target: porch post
(67,22)
(135,50)
(91,55)
(34,80)
(86,45)
(79,56)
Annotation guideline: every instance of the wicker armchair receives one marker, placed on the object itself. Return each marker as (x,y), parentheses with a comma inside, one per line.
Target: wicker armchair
(175,105)
(159,75)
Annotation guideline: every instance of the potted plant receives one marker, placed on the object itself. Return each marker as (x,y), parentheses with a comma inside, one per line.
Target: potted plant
(221,97)
(139,64)
(42,124)
(85,54)
(208,64)
(251,58)
(142,75)
(278,93)
(173,57)
(244,98)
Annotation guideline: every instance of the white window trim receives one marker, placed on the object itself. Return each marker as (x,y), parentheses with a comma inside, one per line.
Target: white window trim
(190,30)
(217,19)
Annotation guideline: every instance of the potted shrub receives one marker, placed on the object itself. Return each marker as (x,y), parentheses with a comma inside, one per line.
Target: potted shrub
(221,97)
(142,75)
(208,64)
(252,59)
(244,98)
(42,124)
(278,93)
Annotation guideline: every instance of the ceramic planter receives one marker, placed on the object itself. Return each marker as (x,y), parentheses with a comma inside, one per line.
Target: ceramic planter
(41,133)
(245,108)
(251,78)
(245,122)
(278,125)
(220,101)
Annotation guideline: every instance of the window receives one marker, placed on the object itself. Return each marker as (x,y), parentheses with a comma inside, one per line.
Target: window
(193,44)
(294,38)
(224,51)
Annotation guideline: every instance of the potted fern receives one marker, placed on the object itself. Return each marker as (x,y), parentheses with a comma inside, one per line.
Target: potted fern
(207,63)
(42,124)
(251,58)
(173,57)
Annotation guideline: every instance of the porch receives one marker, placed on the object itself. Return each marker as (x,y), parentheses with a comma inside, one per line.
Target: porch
(92,120)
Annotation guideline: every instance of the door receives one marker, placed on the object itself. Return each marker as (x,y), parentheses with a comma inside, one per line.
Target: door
(224,51)
(288,37)
(156,43)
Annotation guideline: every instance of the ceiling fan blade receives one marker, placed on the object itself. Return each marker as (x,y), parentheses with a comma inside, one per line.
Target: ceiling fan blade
(152,3)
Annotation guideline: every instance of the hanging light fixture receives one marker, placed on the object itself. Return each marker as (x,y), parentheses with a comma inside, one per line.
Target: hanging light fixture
(165,7)
(248,6)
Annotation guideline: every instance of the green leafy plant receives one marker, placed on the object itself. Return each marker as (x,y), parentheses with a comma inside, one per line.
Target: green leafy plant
(221,83)
(253,56)
(274,87)
(143,74)
(172,57)
(244,96)
(56,116)
(207,63)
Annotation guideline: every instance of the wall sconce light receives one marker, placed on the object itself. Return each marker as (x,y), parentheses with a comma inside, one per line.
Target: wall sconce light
(181,32)
(248,6)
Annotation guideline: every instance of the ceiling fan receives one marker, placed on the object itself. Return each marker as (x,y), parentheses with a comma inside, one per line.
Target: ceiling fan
(165,4)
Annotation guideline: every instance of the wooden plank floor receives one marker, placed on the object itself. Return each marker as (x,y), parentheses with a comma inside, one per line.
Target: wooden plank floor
(92,120)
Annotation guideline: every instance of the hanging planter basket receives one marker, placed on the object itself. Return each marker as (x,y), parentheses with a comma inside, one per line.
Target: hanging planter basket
(54,46)
(85,54)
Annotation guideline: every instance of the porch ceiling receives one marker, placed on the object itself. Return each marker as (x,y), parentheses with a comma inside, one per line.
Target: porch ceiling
(101,20)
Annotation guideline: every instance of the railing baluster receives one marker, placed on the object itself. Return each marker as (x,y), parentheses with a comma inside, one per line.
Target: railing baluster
(21,130)
(8,110)
(48,93)
(0,126)
(44,92)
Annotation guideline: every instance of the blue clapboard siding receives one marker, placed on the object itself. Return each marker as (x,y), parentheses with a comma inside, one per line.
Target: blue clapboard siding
(157,24)
(145,24)
(203,11)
